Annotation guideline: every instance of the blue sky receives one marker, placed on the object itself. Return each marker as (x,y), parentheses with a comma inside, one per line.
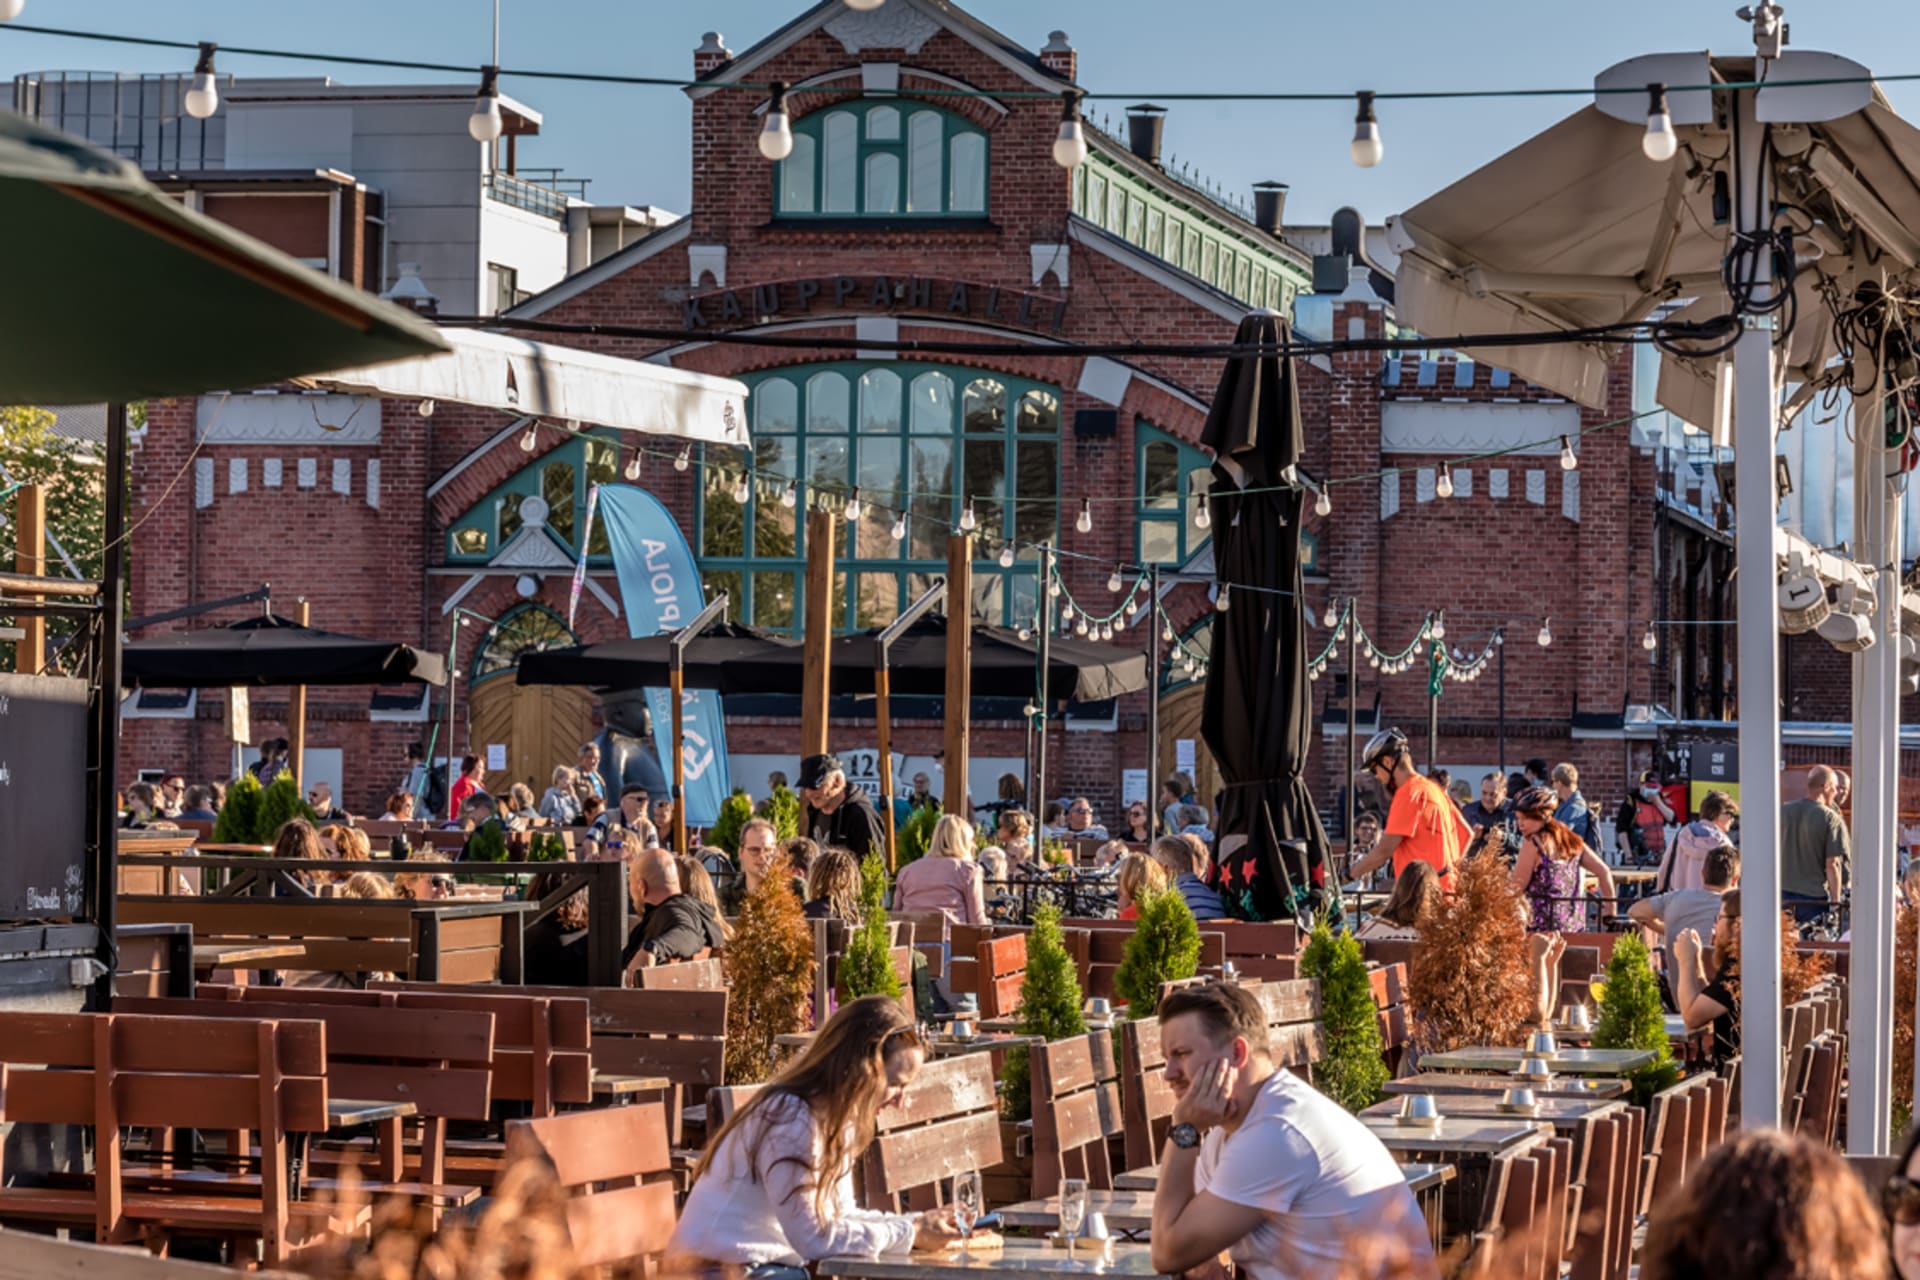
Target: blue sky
(632,142)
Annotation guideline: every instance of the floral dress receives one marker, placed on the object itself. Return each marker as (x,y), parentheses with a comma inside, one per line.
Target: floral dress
(1554,894)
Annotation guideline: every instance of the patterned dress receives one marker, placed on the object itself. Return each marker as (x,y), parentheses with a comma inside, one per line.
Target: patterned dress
(1553,892)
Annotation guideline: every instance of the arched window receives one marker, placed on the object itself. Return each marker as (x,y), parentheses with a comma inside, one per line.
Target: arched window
(1173,480)
(884,161)
(561,478)
(529,628)
(919,438)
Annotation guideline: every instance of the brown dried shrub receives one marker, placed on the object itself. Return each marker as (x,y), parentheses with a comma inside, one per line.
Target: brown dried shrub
(1906,960)
(1471,978)
(769,979)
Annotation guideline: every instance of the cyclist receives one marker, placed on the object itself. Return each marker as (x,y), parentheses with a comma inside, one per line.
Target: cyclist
(1422,823)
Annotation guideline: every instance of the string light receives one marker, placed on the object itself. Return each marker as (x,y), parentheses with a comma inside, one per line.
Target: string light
(1366,148)
(531,440)
(1649,641)
(1660,142)
(684,457)
(1329,618)
(1225,600)
(1080,626)
(1443,486)
(900,527)
(790,496)
(1203,518)
(776,130)
(1439,629)
(1006,555)
(1070,143)
(1026,633)
(967,522)
(426,408)
(485,124)
(1568,461)
(1166,632)
(1085,521)
(1113,581)
(203,99)
(1054,589)
(1106,631)
(1323,505)
(633,468)
(853,505)
(11,9)
(742,490)
(864,6)
(1545,637)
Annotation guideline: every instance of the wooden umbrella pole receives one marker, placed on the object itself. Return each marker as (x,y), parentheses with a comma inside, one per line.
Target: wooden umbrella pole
(30,534)
(959,699)
(297,711)
(817,634)
(883,701)
(676,683)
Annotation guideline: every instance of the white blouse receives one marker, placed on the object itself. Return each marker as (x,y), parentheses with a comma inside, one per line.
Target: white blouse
(746,1213)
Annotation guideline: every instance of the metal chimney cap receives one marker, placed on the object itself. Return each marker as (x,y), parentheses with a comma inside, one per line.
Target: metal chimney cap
(1146,108)
(1270,185)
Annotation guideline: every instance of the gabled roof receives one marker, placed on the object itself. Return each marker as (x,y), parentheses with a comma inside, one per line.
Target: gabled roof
(606,269)
(908,21)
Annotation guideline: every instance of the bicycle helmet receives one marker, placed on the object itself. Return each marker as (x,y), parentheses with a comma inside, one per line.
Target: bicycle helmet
(1536,800)
(1382,745)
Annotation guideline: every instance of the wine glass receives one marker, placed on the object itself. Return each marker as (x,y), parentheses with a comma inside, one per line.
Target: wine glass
(1598,988)
(1073,1209)
(966,1206)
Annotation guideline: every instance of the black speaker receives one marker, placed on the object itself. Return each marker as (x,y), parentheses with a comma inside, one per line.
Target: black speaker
(1096,424)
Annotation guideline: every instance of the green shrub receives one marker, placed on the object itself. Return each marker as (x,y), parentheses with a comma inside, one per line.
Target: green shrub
(1354,1069)
(1049,1008)
(280,804)
(911,841)
(1165,947)
(867,967)
(238,821)
(547,847)
(1631,1017)
(488,843)
(782,809)
(735,810)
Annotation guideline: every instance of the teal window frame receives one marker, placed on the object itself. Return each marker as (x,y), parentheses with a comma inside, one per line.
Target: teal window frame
(485,516)
(525,626)
(870,152)
(1191,465)
(798,427)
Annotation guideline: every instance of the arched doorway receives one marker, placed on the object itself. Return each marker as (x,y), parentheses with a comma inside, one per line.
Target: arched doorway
(540,725)
(1182,703)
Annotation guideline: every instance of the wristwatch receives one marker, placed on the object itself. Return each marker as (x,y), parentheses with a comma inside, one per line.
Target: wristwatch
(1184,1136)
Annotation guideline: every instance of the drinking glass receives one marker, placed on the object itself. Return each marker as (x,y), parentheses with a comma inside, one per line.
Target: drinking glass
(966,1207)
(1599,989)
(1073,1209)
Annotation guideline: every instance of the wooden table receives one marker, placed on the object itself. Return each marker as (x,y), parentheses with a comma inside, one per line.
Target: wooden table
(991,1042)
(1577,1062)
(1013,1258)
(1452,1082)
(1126,1211)
(208,956)
(345,1113)
(619,1086)
(1564,1114)
(1463,1135)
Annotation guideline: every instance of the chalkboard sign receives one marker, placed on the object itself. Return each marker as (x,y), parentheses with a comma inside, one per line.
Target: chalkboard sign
(43,796)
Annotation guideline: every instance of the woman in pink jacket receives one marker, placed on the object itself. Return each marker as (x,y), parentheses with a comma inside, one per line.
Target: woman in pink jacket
(947,879)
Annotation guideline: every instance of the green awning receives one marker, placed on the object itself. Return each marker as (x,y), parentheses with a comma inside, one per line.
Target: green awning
(116,292)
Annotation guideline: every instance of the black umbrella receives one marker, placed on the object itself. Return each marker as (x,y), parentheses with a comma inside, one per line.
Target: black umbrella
(274,651)
(1258,713)
(717,658)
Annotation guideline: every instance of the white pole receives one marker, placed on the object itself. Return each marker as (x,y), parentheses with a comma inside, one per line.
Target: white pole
(1876,772)
(1755,402)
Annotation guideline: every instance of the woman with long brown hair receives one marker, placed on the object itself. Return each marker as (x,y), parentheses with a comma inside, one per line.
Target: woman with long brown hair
(776,1182)
(1398,919)
(1550,862)
(833,888)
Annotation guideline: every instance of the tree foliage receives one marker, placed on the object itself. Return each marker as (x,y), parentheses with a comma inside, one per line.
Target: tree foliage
(488,843)
(1471,977)
(1631,1016)
(280,804)
(75,482)
(1906,961)
(1354,1067)
(769,980)
(1165,947)
(782,809)
(735,811)
(238,821)
(1049,1007)
(915,835)
(867,967)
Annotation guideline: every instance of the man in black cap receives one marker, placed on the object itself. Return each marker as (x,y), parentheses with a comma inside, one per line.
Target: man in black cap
(835,813)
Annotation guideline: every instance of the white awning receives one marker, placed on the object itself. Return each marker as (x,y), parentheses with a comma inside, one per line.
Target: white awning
(562,384)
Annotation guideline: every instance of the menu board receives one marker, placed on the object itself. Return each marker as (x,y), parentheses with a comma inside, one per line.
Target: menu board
(43,796)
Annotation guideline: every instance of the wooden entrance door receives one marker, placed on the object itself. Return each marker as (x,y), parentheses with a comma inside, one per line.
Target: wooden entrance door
(540,725)
(1180,718)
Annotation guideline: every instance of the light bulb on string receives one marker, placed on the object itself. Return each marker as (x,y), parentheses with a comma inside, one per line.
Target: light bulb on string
(1373,660)
(776,128)
(203,99)
(852,510)
(1006,555)
(1106,631)
(1322,504)
(1366,149)
(967,521)
(900,527)
(1660,142)
(1440,625)
(1443,487)
(864,6)
(1026,633)
(1649,641)
(1568,461)
(1070,141)
(531,440)
(1120,619)
(11,9)
(1084,523)
(684,458)
(426,407)
(1224,601)
(485,124)
(742,490)
(1330,618)
(1203,517)
(1080,626)
(1545,637)
(633,468)
(790,496)
(1053,588)
(1166,632)
(1113,581)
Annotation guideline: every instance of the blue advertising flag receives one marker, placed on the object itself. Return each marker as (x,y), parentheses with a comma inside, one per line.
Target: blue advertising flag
(660,591)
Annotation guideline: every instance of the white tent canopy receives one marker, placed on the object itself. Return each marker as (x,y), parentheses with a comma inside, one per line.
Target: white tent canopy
(562,384)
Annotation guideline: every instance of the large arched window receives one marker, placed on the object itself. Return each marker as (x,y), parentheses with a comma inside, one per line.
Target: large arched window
(884,160)
(529,628)
(562,478)
(922,438)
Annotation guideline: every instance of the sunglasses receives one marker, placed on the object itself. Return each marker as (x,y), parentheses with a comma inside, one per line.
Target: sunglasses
(1901,1201)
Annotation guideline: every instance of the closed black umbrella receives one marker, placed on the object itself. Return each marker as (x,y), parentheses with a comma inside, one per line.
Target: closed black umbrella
(1258,712)
(271,651)
(721,657)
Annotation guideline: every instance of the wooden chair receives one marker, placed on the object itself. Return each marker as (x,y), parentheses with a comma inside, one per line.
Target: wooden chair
(947,1122)
(1295,1036)
(1146,1103)
(110,1072)
(1076,1109)
(688,975)
(992,968)
(1604,1214)
(929,937)
(1270,952)
(1668,1119)
(1819,1109)
(615,1167)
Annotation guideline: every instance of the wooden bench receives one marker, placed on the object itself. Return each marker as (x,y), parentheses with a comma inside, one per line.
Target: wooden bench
(1267,951)
(991,967)
(1107,944)
(1076,1110)
(614,1166)
(111,1072)
(477,943)
(687,975)
(154,960)
(946,1122)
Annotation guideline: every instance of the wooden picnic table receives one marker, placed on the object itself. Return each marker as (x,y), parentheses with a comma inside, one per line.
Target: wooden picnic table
(1676,1028)
(1454,1082)
(1577,1062)
(1126,1211)
(209,956)
(1464,1135)
(606,1085)
(1013,1257)
(345,1113)
(1561,1113)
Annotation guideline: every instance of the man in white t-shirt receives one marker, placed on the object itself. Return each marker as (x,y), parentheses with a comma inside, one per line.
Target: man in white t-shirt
(1263,1167)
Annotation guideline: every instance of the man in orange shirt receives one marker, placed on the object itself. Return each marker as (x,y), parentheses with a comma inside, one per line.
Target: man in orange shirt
(1422,824)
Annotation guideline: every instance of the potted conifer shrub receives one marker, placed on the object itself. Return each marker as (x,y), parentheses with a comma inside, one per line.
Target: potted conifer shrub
(867,967)
(769,980)
(1165,947)
(238,821)
(1050,1004)
(1355,1066)
(1631,1016)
